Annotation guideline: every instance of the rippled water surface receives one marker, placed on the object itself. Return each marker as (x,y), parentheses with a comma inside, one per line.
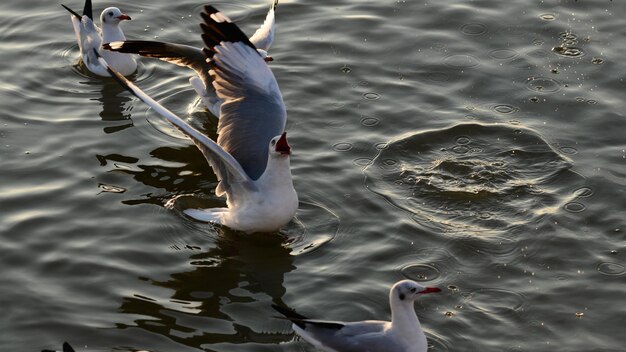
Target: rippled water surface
(477,146)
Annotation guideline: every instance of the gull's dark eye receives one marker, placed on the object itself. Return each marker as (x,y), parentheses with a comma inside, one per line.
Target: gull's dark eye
(111,13)
(273,142)
(413,290)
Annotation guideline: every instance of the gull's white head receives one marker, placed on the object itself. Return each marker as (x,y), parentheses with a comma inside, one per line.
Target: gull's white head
(113,16)
(279,146)
(409,290)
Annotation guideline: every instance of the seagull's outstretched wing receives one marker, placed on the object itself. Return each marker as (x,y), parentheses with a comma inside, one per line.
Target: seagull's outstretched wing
(253,111)
(264,36)
(88,36)
(178,54)
(226,168)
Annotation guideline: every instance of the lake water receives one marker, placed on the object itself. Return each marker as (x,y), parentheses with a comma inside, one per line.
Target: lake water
(477,146)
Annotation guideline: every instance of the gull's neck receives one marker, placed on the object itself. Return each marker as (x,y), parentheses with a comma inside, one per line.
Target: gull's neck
(277,173)
(112,33)
(403,317)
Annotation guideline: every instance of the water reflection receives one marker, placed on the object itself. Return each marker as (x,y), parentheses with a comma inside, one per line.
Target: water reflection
(211,303)
(115,104)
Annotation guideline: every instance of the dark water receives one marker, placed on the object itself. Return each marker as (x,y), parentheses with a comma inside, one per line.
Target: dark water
(478,146)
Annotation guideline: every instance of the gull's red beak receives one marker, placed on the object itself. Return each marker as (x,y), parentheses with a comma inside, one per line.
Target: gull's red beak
(430,290)
(123,17)
(282,146)
(268,59)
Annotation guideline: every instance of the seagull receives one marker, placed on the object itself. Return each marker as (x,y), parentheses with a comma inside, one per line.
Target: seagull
(251,155)
(193,57)
(90,37)
(402,334)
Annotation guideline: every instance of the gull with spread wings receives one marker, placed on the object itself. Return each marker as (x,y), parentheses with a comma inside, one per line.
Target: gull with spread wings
(251,154)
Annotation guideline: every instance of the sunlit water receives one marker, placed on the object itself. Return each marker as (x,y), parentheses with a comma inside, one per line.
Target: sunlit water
(478,146)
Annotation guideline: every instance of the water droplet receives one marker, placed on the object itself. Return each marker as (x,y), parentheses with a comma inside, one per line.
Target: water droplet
(449,314)
(579,314)
(534,99)
(371,96)
(27,152)
(346,69)
(463,140)
(597,61)
(555,71)
(547,17)
(592,102)
(574,207)
(370,121)
(544,85)
(611,269)
(461,61)
(342,147)
(474,29)
(568,51)
(363,83)
(503,54)
(568,150)
(580,99)
(453,288)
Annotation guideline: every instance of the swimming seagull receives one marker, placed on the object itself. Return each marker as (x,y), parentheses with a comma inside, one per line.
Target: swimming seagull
(402,334)
(193,57)
(251,156)
(90,37)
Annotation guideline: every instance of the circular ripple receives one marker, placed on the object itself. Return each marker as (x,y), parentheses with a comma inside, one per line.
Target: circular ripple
(496,301)
(499,177)
(505,109)
(371,96)
(547,17)
(503,54)
(420,272)
(461,61)
(370,121)
(544,85)
(111,189)
(463,140)
(438,77)
(313,226)
(568,51)
(342,147)
(611,269)
(362,161)
(568,150)
(583,192)
(575,207)
(474,29)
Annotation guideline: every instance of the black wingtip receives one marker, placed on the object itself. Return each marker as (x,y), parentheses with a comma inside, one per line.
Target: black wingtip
(72,12)
(215,31)
(87,10)
(67,347)
(275,5)
(291,315)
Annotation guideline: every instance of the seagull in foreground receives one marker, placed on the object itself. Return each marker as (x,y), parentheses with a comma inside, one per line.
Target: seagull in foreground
(251,156)
(402,334)
(193,57)
(90,37)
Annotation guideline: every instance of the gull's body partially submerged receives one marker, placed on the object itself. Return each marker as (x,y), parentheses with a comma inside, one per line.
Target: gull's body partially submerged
(193,57)
(90,37)
(251,156)
(402,334)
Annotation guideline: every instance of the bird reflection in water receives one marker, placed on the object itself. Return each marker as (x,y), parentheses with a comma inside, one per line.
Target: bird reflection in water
(211,302)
